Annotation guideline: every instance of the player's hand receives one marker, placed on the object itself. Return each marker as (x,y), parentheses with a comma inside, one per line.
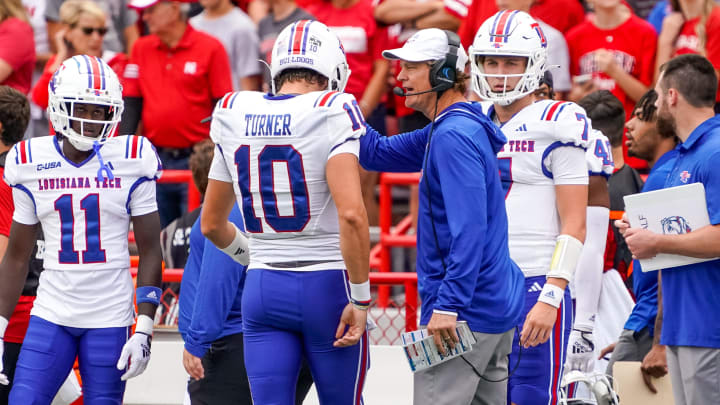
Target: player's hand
(355,321)
(654,365)
(193,365)
(442,329)
(622,224)
(538,325)
(137,349)
(641,242)
(3,378)
(608,349)
(581,347)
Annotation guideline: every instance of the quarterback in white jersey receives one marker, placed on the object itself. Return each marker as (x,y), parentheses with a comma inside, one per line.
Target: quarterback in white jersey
(83,186)
(545,177)
(290,159)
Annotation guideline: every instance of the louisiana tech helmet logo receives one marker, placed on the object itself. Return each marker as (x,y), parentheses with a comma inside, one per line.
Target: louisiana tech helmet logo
(675,225)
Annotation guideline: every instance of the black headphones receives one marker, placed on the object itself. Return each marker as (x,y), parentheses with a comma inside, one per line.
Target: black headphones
(442,71)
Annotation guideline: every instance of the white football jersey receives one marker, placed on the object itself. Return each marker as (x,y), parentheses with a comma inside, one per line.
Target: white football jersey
(530,162)
(274,150)
(85,221)
(599,155)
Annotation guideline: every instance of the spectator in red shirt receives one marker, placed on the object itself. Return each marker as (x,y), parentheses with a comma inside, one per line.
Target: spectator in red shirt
(615,51)
(173,80)
(693,27)
(354,23)
(17,46)
(14,117)
(83,25)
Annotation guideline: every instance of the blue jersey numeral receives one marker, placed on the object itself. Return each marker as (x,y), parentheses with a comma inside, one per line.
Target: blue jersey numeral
(505,166)
(93,252)
(603,151)
(298,188)
(583,118)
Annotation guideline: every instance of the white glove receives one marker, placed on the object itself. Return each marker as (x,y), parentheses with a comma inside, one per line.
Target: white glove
(580,351)
(3,325)
(137,349)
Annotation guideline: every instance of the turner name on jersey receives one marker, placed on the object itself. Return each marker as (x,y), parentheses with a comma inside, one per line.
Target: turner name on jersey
(274,150)
(538,139)
(85,218)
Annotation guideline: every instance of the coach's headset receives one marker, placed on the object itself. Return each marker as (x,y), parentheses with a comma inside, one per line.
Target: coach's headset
(442,78)
(442,72)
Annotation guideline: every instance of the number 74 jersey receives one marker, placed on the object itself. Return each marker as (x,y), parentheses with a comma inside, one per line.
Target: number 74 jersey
(274,150)
(85,219)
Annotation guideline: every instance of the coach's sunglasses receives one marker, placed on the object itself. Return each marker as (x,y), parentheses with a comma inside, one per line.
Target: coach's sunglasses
(89,30)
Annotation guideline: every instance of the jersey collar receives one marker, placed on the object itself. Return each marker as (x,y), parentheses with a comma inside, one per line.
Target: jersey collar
(700,131)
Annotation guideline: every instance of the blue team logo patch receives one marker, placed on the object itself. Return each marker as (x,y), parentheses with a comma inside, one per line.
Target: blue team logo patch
(675,225)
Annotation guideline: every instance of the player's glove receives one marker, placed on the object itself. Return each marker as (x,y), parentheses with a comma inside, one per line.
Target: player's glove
(3,325)
(137,349)
(580,353)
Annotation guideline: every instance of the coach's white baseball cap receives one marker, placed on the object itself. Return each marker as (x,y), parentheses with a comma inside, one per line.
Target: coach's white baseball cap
(426,45)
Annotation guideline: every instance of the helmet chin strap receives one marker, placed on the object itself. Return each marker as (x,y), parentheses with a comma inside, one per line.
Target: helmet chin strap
(79,145)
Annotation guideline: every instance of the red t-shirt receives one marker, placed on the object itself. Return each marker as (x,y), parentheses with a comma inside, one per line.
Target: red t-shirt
(687,41)
(18,51)
(633,43)
(562,15)
(362,39)
(178,86)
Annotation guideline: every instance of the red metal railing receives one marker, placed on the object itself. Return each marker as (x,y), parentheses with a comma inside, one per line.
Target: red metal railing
(183,176)
(392,319)
(391,236)
(178,176)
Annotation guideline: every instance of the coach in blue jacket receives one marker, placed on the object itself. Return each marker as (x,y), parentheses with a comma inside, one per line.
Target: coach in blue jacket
(464,266)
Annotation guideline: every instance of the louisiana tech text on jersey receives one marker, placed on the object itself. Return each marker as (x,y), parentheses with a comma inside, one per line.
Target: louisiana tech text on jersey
(62,183)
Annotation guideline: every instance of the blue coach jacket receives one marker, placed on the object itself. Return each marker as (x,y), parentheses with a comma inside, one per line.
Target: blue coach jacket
(461,187)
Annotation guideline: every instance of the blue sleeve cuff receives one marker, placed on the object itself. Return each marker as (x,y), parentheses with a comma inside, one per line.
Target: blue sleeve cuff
(196,350)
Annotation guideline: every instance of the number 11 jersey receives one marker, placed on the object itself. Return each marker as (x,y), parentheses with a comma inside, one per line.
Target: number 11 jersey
(274,150)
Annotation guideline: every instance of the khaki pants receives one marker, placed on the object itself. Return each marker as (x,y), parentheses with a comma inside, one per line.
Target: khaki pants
(456,383)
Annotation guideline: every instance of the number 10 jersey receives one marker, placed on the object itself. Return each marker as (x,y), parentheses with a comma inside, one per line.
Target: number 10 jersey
(274,150)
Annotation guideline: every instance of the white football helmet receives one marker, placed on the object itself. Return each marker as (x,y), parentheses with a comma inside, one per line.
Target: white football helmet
(84,79)
(597,384)
(509,33)
(311,45)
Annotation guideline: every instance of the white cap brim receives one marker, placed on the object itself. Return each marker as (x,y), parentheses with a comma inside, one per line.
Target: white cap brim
(407,55)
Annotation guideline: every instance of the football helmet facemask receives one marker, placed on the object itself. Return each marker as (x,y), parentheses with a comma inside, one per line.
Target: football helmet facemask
(82,82)
(598,384)
(311,45)
(509,33)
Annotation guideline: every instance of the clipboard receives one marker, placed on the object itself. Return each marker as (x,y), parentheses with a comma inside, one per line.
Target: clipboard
(631,388)
(675,210)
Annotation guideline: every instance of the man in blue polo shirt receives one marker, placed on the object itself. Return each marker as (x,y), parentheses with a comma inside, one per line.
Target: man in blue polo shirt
(657,148)
(690,322)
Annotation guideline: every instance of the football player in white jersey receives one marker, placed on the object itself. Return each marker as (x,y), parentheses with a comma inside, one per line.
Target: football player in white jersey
(290,159)
(83,186)
(545,176)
